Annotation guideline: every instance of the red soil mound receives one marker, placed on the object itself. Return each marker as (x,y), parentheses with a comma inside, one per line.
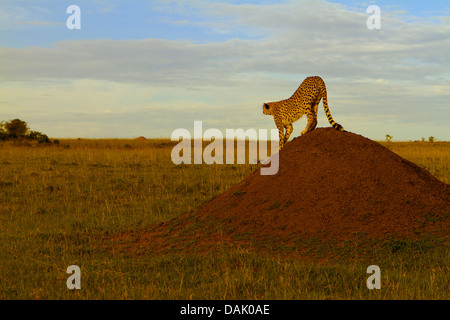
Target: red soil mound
(330,185)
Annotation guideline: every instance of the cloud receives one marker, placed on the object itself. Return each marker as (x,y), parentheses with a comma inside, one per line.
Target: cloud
(40,23)
(394,72)
(324,39)
(99,108)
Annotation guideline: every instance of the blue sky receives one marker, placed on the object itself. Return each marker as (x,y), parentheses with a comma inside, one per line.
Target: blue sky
(149,67)
(38,23)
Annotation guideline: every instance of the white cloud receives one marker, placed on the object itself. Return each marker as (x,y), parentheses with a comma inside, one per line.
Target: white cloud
(394,72)
(40,23)
(311,38)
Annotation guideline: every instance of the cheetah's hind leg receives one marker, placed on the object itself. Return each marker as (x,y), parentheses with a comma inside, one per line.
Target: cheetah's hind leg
(289,129)
(312,122)
(315,108)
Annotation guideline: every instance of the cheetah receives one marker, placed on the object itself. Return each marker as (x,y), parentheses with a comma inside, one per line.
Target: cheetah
(304,101)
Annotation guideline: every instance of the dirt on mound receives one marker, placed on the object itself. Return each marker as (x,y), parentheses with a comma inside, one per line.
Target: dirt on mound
(330,185)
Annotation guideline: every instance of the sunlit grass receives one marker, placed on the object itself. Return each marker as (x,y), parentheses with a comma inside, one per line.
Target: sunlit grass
(435,157)
(57,204)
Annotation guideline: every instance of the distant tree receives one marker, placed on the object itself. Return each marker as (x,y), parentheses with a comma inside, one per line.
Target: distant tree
(43,139)
(431,139)
(39,136)
(16,128)
(3,134)
(34,135)
(423,139)
(389,138)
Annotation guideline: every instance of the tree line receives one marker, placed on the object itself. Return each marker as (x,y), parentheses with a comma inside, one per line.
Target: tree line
(18,129)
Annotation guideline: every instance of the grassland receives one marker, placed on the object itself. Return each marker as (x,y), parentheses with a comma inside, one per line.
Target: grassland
(58,204)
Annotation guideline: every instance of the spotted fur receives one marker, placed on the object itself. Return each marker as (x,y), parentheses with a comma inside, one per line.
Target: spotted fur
(304,101)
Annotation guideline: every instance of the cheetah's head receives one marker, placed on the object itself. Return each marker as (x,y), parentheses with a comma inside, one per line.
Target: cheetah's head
(268,108)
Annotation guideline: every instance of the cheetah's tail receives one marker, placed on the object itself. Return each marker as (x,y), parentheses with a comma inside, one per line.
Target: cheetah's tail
(334,124)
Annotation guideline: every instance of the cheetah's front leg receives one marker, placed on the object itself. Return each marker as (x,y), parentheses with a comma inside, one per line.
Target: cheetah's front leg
(312,122)
(280,128)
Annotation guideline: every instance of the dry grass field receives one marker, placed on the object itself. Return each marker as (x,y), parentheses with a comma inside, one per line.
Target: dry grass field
(60,204)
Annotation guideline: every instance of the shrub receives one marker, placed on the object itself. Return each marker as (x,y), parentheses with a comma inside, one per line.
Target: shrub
(16,128)
(34,135)
(3,134)
(43,138)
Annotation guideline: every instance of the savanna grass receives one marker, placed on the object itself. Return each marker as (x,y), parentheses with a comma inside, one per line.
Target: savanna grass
(59,203)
